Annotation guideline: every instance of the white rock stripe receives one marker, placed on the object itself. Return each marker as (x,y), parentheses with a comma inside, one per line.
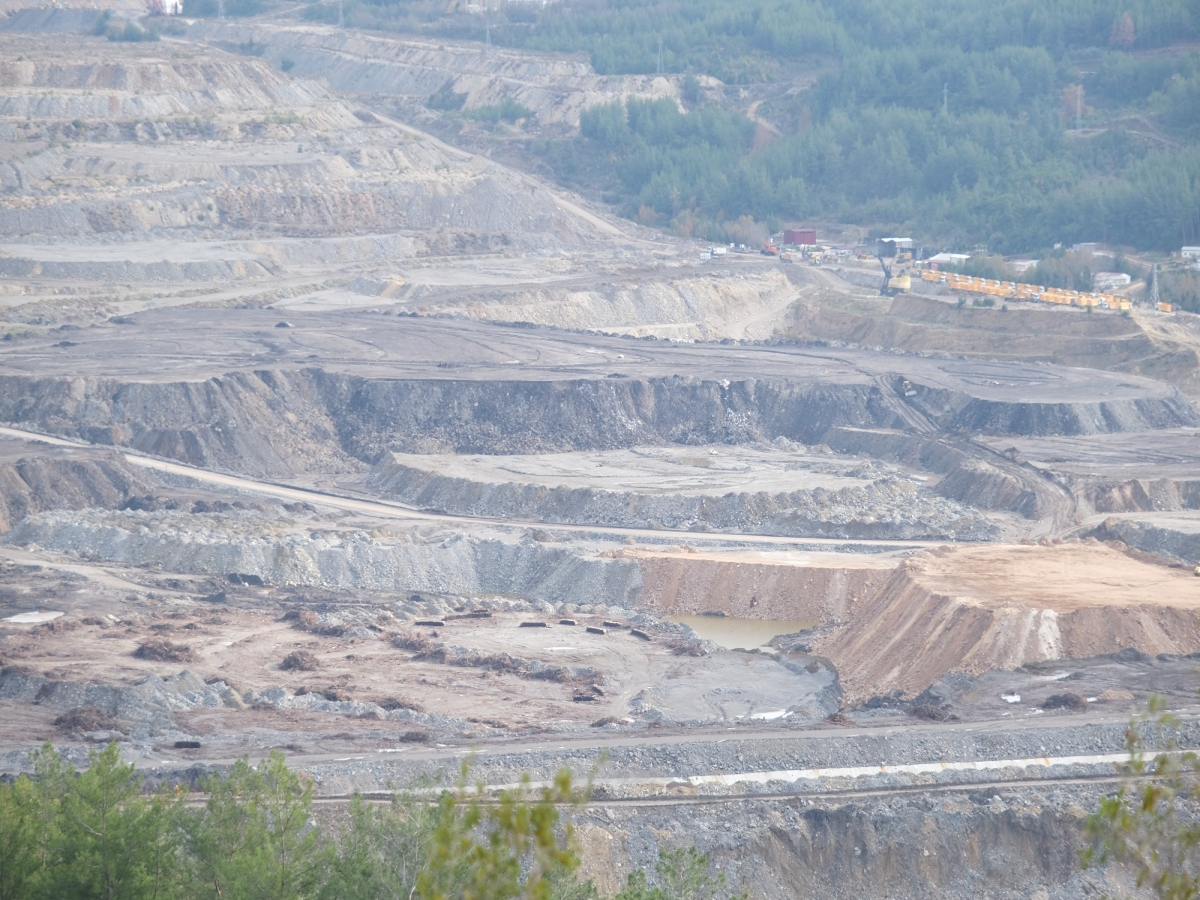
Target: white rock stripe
(791,776)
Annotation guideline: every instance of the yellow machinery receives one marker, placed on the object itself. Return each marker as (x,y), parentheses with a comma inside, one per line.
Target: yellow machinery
(1016,290)
(891,285)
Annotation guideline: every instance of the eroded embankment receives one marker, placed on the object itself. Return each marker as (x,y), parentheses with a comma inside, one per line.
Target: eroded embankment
(709,306)
(1066,336)
(556,88)
(881,504)
(276,547)
(281,552)
(1000,607)
(312,420)
(955,846)
(955,411)
(1138,495)
(1163,535)
(972,481)
(754,586)
(34,483)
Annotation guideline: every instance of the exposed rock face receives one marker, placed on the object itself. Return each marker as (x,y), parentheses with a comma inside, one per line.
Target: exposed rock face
(436,562)
(953,847)
(158,145)
(35,483)
(296,413)
(885,504)
(920,451)
(714,304)
(1163,535)
(143,710)
(921,323)
(555,88)
(956,412)
(302,418)
(1140,495)
(983,485)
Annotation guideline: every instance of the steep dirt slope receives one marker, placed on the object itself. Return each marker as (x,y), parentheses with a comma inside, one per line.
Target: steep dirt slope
(974,609)
(813,587)
(33,479)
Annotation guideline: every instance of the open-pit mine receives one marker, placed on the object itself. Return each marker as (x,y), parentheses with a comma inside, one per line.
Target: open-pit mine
(325,435)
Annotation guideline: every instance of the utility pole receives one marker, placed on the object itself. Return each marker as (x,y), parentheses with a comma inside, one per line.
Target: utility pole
(660,55)
(945,99)
(1154,299)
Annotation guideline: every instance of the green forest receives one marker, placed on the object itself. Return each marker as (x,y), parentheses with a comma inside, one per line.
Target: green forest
(1015,125)
(254,833)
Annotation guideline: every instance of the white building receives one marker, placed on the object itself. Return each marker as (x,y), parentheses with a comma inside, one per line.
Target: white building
(1107,281)
(947,259)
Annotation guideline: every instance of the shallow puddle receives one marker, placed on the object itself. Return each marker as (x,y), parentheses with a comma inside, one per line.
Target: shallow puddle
(740,634)
(33,618)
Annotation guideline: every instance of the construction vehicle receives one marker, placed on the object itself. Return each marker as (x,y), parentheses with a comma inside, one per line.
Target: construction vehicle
(1015,290)
(769,248)
(892,285)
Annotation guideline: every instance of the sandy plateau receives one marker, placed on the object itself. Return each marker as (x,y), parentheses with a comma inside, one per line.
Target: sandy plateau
(320,432)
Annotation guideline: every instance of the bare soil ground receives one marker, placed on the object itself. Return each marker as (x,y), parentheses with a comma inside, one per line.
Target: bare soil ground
(241,636)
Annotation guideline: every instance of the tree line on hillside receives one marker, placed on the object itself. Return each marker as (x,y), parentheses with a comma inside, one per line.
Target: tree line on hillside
(756,39)
(95,834)
(959,122)
(977,177)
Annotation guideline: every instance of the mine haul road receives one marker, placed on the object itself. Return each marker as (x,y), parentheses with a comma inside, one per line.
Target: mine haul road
(398,511)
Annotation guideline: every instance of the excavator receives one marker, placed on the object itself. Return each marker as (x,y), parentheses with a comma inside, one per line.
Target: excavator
(891,285)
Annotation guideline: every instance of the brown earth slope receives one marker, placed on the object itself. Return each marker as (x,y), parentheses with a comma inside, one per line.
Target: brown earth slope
(999,607)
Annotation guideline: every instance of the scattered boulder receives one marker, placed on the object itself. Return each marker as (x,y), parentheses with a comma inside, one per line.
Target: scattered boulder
(86,718)
(1065,700)
(301,661)
(162,650)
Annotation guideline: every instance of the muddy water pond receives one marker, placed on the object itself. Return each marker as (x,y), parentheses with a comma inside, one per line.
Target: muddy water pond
(740,634)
